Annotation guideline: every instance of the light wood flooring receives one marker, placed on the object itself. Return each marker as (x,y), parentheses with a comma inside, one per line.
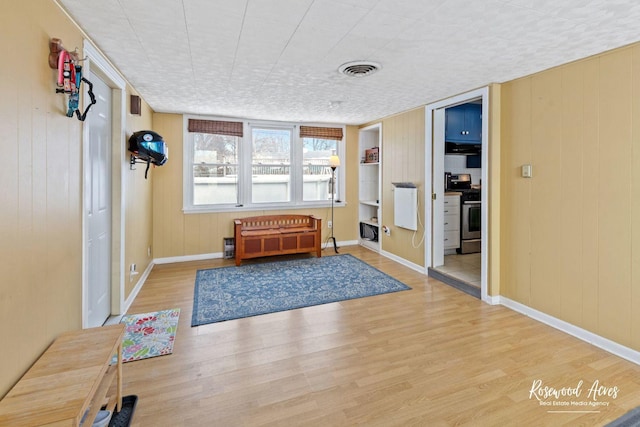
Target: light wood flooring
(431,356)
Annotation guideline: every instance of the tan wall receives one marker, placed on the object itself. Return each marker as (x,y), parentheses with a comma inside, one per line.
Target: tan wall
(348,227)
(138,203)
(403,155)
(40,208)
(570,239)
(177,234)
(41,197)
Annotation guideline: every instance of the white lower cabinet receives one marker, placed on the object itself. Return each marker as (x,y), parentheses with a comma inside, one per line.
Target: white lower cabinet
(451,222)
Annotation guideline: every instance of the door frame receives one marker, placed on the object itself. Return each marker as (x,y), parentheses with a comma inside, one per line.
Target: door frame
(96,64)
(434,181)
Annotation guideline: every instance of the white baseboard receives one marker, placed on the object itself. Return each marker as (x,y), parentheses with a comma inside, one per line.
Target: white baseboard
(594,339)
(185,258)
(491,300)
(582,334)
(169,260)
(217,255)
(136,289)
(347,243)
(411,265)
(115,319)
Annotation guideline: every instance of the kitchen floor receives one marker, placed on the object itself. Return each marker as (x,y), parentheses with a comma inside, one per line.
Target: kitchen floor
(463,267)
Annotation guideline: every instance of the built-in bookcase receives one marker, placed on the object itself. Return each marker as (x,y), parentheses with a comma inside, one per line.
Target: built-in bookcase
(369,180)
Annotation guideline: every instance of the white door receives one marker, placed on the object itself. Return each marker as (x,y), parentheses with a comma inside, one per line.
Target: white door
(98,205)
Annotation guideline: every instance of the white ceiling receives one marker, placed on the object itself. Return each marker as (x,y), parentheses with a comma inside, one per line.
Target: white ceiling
(278,59)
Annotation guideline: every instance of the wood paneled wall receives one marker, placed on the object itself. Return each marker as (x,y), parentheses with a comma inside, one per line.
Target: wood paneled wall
(40,200)
(41,196)
(403,155)
(177,234)
(570,235)
(138,203)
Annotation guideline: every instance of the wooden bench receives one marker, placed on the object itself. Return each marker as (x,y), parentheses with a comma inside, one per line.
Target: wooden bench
(74,375)
(269,235)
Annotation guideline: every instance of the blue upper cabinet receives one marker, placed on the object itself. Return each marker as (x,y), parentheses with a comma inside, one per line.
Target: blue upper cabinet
(464,124)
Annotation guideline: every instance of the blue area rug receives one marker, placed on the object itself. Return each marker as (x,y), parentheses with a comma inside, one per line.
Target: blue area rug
(234,292)
(630,419)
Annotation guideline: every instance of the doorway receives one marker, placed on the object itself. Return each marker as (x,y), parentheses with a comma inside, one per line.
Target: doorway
(103,196)
(98,205)
(470,269)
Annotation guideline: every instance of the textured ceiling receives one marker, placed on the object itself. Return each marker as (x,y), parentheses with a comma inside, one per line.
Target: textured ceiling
(278,59)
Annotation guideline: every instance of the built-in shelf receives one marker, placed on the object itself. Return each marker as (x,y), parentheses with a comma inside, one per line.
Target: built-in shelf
(369,180)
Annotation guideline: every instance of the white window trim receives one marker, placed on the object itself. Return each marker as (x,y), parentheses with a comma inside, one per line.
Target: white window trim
(245,182)
(294,176)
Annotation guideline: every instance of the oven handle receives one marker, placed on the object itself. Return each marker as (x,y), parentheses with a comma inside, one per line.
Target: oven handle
(471,202)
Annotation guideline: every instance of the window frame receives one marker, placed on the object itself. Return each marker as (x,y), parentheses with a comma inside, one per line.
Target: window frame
(245,171)
(293,183)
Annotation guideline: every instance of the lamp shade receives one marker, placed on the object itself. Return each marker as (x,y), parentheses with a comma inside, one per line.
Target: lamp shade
(334,161)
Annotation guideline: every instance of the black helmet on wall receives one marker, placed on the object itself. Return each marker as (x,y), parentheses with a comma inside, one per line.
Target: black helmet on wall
(148,146)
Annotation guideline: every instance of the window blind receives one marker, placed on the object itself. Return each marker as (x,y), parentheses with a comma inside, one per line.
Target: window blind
(217,127)
(321,132)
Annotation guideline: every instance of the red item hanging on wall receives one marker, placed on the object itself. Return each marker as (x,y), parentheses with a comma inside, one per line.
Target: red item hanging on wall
(66,73)
(69,77)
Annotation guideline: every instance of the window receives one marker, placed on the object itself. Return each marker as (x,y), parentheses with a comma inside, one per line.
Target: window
(270,165)
(318,145)
(215,169)
(242,165)
(213,162)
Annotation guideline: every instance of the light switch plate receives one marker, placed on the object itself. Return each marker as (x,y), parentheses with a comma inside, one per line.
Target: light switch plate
(526,171)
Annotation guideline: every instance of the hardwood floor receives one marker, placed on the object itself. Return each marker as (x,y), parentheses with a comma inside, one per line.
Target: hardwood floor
(431,356)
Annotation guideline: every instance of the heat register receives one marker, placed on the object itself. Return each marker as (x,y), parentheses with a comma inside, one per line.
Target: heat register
(405,205)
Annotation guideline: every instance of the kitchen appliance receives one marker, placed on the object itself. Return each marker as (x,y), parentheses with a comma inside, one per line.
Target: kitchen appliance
(470,226)
(470,215)
(462,149)
(457,182)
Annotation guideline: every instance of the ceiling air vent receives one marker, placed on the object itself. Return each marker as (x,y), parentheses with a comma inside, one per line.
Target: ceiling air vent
(359,68)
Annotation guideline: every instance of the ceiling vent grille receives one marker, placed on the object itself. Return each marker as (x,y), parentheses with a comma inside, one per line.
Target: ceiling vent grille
(359,68)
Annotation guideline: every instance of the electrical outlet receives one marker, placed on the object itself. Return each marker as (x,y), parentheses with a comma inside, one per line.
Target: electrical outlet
(149,251)
(132,272)
(329,224)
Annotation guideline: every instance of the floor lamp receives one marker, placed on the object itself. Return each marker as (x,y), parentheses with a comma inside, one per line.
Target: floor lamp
(334,162)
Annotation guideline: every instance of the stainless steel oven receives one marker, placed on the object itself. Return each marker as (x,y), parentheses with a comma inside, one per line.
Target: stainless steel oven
(470,224)
(471,228)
